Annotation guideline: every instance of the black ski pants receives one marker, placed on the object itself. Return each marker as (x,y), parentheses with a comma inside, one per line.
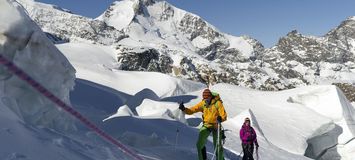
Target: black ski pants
(248,150)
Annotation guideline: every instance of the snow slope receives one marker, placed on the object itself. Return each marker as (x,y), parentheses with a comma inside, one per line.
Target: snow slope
(98,64)
(304,115)
(154,118)
(122,16)
(287,128)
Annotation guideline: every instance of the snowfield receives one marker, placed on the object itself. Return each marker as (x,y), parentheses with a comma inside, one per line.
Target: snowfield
(97,64)
(316,121)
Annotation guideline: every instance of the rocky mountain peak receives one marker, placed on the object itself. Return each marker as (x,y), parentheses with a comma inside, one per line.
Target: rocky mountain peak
(293,33)
(153,35)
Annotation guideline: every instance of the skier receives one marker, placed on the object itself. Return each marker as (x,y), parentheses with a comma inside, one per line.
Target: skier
(248,137)
(213,114)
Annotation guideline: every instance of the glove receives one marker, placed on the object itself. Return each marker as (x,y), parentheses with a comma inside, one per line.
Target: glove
(257,145)
(219,119)
(223,135)
(181,106)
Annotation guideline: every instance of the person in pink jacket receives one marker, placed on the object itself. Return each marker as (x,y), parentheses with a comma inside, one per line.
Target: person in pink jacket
(248,137)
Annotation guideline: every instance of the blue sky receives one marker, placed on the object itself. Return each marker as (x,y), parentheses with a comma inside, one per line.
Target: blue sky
(265,20)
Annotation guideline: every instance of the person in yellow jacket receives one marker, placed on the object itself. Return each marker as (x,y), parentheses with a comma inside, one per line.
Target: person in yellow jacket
(213,112)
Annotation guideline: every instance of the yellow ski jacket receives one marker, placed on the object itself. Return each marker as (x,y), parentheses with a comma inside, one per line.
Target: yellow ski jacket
(210,112)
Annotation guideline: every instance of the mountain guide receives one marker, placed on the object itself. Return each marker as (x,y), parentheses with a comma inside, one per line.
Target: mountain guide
(213,114)
(248,137)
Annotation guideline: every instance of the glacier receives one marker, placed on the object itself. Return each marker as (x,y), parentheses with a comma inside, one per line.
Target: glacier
(141,108)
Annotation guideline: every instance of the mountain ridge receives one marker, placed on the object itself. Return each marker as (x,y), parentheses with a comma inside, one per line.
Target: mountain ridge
(152,35)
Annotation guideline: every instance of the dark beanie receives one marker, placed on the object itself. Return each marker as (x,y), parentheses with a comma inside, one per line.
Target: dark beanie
(206,93)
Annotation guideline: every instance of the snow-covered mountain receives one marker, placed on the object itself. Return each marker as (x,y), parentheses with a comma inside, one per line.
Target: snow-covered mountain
(63,26)
(312,60)
(153,35)
(160,37)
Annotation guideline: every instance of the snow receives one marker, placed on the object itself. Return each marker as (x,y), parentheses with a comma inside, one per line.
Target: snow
(152,129)
(98,64)
(158,25)
(121,15)
(20,44)
(156,109)
(36,4)
(177,60)
(267,149)
(241,44)
(162,26)
(316,101)
(141,108)
(152,109)
(201,42)
(121,112)
(31,127)
(298,122)
(300,53)
(352,43)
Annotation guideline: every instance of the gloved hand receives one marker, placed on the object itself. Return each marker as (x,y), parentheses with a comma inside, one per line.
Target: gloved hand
(181,106)
(257,145)
(223,135)
(219,119)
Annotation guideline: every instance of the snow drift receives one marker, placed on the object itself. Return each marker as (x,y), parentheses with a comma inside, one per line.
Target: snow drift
(26,45)
(286,125)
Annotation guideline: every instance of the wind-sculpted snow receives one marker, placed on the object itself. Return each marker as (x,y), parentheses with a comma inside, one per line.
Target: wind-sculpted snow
(23,42)
(291,124)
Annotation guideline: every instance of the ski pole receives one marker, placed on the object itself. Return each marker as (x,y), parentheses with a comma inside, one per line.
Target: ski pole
(214,153)
(177,127)
(216,147)
(218,140)
(217,150)
(240,154)
(177,137)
